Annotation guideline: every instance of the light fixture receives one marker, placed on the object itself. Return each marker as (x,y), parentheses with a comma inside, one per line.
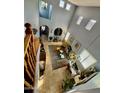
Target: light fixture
(90,24)
(80,18)
(61,3)
(68,6)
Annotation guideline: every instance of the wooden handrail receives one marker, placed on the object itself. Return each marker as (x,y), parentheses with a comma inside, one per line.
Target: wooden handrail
(31,45)
(26,43)
(29,39)
(27,84)
(29,49)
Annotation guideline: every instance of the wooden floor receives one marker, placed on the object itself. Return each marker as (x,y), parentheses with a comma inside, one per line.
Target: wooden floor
(52,80)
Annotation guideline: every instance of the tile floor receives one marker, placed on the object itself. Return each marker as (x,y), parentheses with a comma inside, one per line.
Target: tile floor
(52,79)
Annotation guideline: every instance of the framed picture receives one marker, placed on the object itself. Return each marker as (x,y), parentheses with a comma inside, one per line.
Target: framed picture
(76,46)
(71,39)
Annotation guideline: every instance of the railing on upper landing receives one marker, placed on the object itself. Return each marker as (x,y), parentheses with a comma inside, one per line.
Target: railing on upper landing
(29,61)
(31,45)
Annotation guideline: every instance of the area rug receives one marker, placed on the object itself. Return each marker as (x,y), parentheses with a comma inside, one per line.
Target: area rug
(55,60)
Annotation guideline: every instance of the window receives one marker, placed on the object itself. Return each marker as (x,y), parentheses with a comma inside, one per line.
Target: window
(61,3)
(80,18)
(45,9)
(90,24)
(43,28)
(68,6)
(67,36)
(89,61)
(43,4)
(86,59)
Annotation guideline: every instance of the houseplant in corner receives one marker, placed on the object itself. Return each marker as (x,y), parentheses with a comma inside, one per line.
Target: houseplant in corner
(67,84)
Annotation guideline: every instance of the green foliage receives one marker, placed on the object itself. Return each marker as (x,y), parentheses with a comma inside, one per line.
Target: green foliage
(67,84)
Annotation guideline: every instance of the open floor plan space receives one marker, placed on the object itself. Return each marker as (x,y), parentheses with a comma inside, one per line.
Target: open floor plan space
(52,79)
(62,46)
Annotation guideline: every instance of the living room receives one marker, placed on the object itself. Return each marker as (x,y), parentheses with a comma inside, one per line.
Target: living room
(73,41)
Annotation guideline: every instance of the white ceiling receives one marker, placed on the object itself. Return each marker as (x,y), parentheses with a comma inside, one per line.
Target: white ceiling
(86,2)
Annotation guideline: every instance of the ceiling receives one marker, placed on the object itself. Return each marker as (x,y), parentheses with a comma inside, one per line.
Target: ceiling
(95,3)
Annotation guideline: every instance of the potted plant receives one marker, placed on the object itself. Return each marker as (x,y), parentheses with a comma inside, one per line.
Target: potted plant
(67,84)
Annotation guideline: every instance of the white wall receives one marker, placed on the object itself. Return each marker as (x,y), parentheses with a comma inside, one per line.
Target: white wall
(60,17)
(31,14)
(94,49)
(90,40)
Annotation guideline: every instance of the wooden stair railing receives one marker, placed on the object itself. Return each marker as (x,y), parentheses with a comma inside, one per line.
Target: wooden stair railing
(29,61)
